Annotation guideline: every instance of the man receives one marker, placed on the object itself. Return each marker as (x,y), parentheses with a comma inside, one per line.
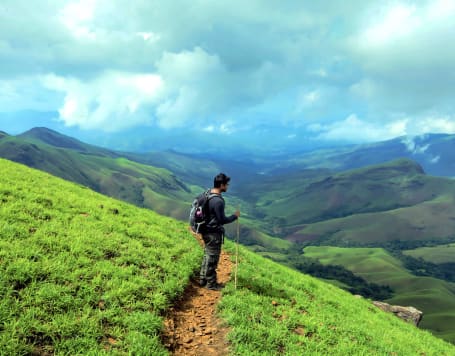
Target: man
(213,232)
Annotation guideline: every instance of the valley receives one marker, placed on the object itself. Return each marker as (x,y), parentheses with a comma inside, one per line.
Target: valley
(374,219)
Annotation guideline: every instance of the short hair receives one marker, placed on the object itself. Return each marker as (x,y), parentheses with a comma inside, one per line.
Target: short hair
(220,179)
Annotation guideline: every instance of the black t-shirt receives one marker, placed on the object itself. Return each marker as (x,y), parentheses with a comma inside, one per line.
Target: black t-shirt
(217,215)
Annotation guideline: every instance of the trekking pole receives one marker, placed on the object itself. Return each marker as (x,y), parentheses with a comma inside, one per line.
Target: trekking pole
(237,252)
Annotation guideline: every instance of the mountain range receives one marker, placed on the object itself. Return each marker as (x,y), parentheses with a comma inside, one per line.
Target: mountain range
(396,196)
(300,198)
(85,274)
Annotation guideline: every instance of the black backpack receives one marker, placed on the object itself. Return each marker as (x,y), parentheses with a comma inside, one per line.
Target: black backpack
(199,213)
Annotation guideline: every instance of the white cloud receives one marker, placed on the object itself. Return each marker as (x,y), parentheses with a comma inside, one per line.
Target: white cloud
(148,36)
(196,85)
(226,128)
(441,9)
(320,72)
(125,63)
(413,146)
(26,93)
(352,129)
(398,21)
(404,53)
(77,17)
(390,24)
(434,124)
(112,101)
(209,128)
(306,101)
(309,98)
(366,89)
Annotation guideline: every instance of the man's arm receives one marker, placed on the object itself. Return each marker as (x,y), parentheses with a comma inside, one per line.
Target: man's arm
(218,208)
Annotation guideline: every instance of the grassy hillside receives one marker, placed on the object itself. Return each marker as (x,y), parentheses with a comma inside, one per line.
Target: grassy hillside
(99,169)
(318,204)
(431,220)
(436,254)
(126,176)
(276,310)
(372,204)
(436,298)
(55,139)
(81,273)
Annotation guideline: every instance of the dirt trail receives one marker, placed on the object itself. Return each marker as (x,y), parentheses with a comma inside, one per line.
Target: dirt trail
(192,327)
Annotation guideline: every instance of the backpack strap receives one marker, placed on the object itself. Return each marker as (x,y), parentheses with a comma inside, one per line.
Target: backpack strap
(208,195)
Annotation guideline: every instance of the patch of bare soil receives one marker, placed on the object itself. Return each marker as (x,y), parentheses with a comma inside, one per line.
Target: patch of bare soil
(191,326)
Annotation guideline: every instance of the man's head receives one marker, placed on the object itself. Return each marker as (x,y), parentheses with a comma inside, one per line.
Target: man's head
(221,181)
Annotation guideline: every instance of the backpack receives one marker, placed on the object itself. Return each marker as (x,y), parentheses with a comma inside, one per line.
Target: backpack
(199,213)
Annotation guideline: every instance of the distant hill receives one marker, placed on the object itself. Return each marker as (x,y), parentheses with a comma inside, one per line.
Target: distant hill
(102,170)
(127,176)
(55,139)
(287,204)
(191,169)
(393,205)
(84,274)
(292,203)
(434,152)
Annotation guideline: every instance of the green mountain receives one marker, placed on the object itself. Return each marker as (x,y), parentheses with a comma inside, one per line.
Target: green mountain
(53,138)
(312,204)
(294,204)
(374,205)
(189,169)
(434,152)
(81,273)
(394,206)
(102,170)
(128,176)
(193,170)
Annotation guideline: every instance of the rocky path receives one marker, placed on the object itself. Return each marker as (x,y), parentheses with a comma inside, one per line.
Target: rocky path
(192,327)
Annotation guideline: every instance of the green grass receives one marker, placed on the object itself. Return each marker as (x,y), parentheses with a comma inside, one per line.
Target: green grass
(135,182)
(276,310)
(83,274)
(101,171)
(437,254)
(436,298)
(373,204)
(430,220)
(78,268)
(374,188)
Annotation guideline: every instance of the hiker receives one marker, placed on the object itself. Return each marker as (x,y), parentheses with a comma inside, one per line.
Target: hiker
(213,232)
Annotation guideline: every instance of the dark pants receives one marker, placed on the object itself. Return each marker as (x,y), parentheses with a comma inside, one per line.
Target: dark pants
(212,251)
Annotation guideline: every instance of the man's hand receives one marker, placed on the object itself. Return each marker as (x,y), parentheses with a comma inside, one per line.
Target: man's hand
(237,213)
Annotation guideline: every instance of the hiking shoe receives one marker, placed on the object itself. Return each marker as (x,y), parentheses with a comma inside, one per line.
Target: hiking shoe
(216,286)
(202,282)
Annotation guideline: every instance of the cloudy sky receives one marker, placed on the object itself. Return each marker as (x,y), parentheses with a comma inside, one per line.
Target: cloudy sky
(331,71)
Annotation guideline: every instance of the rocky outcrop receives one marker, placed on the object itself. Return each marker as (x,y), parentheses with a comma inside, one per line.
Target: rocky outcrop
(409,314)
